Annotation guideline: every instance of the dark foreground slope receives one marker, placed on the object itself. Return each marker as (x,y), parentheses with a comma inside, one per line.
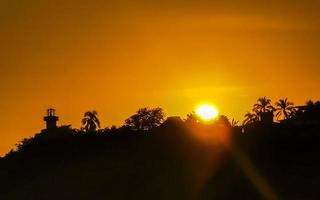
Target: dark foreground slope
(174,161)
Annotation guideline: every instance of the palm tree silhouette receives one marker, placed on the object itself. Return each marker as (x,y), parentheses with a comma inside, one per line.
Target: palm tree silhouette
(250,118)
(284,108)
(234,123)
(263,105)
(91,121)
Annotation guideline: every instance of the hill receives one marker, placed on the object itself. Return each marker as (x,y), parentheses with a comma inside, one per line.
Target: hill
(177,160)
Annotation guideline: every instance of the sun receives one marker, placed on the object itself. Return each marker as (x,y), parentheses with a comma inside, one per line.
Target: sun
(207,112)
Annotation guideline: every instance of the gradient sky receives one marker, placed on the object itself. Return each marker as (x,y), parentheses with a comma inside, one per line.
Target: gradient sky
(117,56)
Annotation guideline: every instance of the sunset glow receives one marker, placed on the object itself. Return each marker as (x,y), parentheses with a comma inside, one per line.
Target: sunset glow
(207,112)
(159,99)
(118,56)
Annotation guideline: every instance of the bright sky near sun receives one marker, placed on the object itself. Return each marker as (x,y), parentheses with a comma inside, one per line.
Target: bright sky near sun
(116,56)
(207,112)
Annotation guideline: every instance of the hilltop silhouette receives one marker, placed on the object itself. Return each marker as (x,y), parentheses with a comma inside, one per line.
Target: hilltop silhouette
(272,155)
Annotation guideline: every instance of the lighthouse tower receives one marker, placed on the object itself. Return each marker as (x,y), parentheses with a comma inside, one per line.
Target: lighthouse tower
(51,119)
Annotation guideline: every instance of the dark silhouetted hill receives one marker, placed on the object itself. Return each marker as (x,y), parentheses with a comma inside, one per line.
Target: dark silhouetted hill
(177,160)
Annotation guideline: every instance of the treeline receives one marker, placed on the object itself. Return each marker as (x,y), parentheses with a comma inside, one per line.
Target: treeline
(180,159)
(283,110)
(143,119)
(151,157)
(149,118)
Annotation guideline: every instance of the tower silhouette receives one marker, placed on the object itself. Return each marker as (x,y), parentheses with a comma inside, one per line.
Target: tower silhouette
(51,119)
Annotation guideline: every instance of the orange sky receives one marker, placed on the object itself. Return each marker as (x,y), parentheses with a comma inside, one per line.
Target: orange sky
(116,56)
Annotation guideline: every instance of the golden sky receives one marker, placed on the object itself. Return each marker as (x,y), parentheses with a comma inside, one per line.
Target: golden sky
(116,56)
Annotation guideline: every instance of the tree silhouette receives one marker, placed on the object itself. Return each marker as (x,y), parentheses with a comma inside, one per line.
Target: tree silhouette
(250,118)
(146,119)
(192,118)
(234,123)
(284,108)
(91,121)
(223,120)
(311,110)
(310,104)
(263,105)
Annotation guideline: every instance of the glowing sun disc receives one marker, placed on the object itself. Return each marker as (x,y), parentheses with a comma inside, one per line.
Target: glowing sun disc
(207,112)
